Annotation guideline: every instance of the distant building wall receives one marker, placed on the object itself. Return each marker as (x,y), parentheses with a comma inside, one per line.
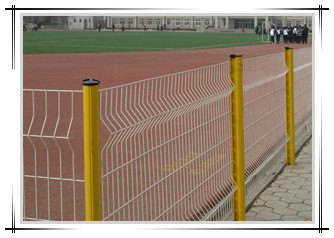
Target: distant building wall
(217,23)
(47,22)
(102,20)
(197,22)
(80,23)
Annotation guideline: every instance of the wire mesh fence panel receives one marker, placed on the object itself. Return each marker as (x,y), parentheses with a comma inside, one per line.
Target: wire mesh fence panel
(264,115)
(302,56)
(165,142)
(53,178)
(302,84)
(166,148)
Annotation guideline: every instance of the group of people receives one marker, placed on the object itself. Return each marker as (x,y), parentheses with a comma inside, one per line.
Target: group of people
(297,34)
(34,27)
(160,27)
(258,31)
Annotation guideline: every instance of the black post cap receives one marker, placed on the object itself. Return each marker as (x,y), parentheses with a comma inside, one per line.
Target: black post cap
(234,56)
(90,82)
(288,48)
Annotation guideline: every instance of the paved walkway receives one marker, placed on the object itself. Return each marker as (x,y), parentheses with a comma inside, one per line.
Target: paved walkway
(289,196)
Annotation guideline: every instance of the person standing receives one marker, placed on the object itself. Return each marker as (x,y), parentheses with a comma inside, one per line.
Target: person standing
(285,35)
(290,34)
(294,34)
(305,34)
(299,35)
(278,36)
(113,27)
(272,34)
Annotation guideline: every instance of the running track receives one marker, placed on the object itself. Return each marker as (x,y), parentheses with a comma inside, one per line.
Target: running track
(66,71)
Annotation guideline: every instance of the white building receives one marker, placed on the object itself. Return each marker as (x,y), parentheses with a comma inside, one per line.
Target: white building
(218,23)
(80,23)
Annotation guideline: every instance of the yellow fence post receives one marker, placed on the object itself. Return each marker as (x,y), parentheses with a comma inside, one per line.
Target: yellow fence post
(237,128)
(289,100)
(91,122)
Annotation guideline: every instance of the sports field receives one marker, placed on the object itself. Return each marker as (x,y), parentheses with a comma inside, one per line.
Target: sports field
(106,41)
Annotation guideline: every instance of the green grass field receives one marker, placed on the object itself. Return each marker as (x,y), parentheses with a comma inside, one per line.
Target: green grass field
(106,41)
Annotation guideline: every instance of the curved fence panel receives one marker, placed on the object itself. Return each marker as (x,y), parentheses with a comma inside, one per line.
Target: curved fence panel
(166,147)
(264,116)
(53,177)
(165,142)
(303,84)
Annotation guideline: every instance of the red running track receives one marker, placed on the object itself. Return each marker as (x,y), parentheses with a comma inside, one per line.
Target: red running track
(66,71)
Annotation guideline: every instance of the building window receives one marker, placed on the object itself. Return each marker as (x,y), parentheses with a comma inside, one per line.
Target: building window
(75,20)
(186,22)
(279,23)
(214,22)
(243,24)
(288,23)
(130,21)
(141,21)
(206,22)
(157,21)
(88,20)
(149,21)
(122,21)
(169,22)
(309,23)
(178,22)
(114,21)
(198,22)
(79,20)
(298,23)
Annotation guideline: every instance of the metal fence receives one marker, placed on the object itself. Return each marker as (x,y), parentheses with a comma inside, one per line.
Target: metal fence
(53,179)
(167,153)
(303,84)
(264,116)
(165,142)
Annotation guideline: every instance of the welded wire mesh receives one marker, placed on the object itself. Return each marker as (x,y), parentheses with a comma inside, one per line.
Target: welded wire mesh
(53,180)
(302,56)
(166,147)
(264,115)
(302,84)
(166,142)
